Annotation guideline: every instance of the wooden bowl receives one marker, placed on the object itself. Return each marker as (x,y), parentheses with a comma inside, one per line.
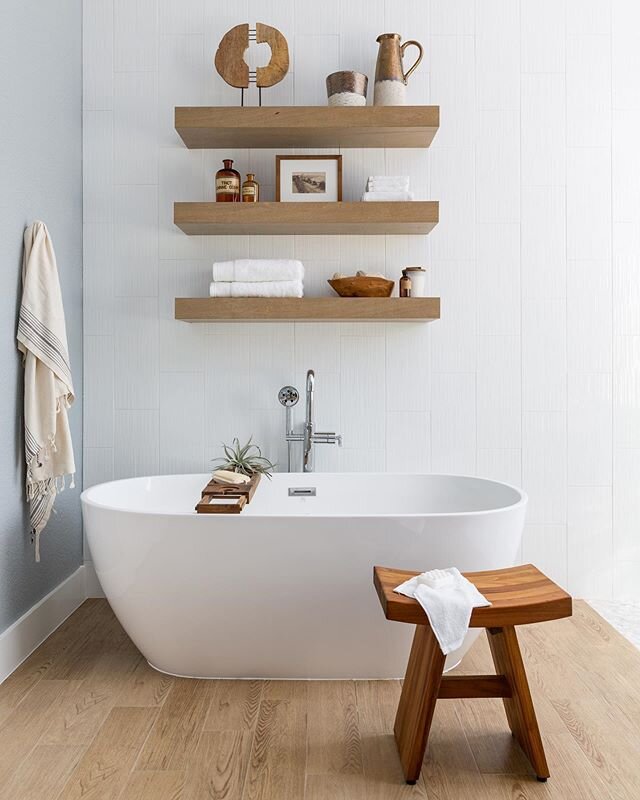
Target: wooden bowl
(362,286)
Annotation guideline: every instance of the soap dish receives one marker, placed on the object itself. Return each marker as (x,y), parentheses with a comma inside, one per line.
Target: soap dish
(362,286)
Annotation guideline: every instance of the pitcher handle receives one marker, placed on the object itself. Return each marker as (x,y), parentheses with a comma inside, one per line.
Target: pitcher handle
(417,61)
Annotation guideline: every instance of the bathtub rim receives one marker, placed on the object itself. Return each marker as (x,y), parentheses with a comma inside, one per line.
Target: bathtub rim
(522,501)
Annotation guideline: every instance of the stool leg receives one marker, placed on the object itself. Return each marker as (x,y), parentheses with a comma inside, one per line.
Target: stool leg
(418,701)
(519,708)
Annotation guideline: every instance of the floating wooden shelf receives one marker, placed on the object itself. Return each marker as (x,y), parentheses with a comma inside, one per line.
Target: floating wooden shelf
(307,126)
(417,217)
(318,309)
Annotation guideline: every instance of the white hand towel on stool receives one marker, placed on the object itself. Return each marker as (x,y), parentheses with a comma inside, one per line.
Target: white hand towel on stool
(249,270)
(447,599)
(255,289)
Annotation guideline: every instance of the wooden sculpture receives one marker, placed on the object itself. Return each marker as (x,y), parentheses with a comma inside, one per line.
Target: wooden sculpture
(233,69)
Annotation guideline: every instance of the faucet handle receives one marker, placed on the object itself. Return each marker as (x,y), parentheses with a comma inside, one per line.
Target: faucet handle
(327,437)
(288,396)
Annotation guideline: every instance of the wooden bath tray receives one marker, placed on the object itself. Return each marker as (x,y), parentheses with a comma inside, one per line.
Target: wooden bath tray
(214,496)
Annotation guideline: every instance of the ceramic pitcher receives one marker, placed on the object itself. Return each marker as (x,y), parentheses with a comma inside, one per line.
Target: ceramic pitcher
(391,79)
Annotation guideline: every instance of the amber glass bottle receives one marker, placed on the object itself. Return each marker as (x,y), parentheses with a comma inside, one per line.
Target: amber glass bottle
(250,189)
(405,285)
(227,183)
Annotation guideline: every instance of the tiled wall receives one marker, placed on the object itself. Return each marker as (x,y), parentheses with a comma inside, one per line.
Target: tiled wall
(533,373)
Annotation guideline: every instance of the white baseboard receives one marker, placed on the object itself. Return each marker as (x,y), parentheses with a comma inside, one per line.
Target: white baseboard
(91,582)
(22,638)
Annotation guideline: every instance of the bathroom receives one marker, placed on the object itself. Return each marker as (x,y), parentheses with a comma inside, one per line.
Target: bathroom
(527,377)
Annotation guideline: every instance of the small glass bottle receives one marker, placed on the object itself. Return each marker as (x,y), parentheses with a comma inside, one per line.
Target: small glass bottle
(250,189)
(405,285)
(227,183)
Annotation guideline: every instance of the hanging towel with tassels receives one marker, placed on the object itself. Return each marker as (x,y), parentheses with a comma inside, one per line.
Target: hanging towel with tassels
(48,387)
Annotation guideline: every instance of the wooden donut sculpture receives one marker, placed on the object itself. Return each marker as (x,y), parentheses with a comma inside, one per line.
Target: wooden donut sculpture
(233,69)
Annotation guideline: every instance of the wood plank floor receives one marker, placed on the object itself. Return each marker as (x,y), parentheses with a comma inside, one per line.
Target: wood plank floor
(85,718)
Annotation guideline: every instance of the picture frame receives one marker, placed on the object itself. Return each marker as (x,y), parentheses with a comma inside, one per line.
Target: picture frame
(309,179)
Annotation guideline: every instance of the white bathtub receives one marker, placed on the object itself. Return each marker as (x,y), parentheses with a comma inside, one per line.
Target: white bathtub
(284,590)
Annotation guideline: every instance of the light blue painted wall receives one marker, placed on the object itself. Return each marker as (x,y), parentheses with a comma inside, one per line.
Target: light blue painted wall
(40,178)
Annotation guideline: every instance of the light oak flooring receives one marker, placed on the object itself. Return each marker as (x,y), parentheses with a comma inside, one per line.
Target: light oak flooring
(85,717)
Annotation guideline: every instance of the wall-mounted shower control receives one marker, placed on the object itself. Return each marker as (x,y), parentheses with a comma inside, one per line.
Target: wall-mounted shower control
(288,396)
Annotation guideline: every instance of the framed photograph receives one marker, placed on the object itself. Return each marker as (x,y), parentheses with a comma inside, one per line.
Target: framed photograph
(308,179)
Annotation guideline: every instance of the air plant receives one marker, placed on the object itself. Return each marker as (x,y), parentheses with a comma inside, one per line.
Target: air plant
(246,459)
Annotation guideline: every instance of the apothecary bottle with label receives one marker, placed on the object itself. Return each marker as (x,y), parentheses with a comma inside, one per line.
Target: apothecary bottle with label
(227,183)
(250,189)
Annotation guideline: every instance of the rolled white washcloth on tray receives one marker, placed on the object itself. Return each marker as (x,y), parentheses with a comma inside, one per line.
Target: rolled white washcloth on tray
(255,289)
(377,197)
(386,183)
(250,270)
(447,598)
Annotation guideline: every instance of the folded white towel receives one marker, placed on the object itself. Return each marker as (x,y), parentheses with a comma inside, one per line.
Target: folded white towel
(447,599)
(387,196)
(388,187)
(383,189)
(388,182)
(256,289)
(258,269)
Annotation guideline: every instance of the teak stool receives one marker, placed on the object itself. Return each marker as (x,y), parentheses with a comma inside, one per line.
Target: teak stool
(518,596)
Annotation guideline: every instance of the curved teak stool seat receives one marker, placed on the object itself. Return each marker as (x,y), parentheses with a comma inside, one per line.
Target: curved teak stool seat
(518,596)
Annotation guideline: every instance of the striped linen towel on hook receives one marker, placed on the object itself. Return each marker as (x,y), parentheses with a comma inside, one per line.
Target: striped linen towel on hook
(48,386)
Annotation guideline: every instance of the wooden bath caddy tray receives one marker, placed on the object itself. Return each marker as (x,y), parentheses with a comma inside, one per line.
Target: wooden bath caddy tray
(214,496)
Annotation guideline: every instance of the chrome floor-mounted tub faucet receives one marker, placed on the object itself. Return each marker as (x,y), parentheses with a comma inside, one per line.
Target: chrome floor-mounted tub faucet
(289,396)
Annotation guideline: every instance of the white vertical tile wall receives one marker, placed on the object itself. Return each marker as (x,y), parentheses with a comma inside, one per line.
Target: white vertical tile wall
(135,143)
(590,540)
(532,374)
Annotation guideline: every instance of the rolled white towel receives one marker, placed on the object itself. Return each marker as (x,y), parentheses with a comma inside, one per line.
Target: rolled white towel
(369,197)
(256,289)
(447,598)
(265,270)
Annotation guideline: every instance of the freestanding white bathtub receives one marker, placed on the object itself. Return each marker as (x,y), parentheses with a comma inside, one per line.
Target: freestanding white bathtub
(284,589)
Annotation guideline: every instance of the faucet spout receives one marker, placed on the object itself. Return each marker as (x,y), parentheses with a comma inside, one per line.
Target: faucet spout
(307,453)
(288,397)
